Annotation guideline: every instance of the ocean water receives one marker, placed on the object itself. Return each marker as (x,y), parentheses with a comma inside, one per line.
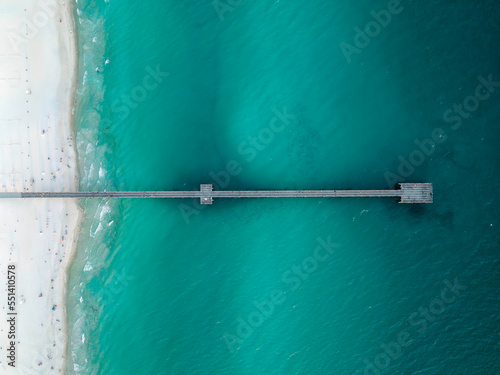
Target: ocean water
(287,95)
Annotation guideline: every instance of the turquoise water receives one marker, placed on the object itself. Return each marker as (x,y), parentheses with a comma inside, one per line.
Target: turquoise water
(266,99)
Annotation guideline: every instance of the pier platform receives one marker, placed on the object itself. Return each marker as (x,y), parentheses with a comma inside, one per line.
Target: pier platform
(416,193)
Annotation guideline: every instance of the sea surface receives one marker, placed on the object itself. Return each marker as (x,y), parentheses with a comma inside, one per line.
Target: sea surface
(297,94)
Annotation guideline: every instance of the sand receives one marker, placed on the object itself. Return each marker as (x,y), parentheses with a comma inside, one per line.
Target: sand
(37,153)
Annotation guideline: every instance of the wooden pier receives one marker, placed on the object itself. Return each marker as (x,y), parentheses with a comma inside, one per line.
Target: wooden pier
(407,193)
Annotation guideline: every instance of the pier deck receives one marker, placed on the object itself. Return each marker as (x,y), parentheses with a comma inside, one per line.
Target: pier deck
(408,193)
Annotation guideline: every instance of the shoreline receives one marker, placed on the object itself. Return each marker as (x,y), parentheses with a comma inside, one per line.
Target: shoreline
(68,16)
(38,83)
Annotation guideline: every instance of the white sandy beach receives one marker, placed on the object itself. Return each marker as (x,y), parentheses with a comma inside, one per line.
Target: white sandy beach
(37,153)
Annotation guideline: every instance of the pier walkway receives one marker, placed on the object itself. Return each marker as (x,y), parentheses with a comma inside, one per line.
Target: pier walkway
(407,192)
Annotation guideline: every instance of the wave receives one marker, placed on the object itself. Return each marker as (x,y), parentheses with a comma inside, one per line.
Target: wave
(96,171)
